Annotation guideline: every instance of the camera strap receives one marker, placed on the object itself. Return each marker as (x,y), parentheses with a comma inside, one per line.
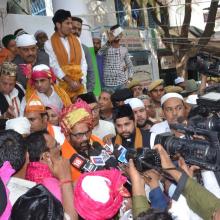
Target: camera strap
(180,186)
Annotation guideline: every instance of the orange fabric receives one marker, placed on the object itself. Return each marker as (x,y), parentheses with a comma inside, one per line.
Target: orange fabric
(60,92)
(138,142)
(71,69)
(34,104)
(5,55)
(96,139)
(60,51)
(50,130)
(68,151)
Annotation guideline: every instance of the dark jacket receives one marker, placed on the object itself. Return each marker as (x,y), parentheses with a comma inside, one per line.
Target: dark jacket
(90,78)
(129,143)
(4,104)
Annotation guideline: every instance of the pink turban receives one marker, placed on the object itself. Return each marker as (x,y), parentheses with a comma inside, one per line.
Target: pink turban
(99,195)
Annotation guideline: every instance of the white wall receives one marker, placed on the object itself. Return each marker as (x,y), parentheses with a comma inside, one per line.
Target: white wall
(33,23)
(80,8)
(29,23)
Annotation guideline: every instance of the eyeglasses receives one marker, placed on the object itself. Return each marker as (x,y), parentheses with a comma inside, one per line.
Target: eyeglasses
(81,135)
(96,110)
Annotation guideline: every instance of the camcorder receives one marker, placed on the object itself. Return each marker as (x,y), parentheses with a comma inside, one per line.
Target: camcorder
(205,64)
(203,153)
(208,104)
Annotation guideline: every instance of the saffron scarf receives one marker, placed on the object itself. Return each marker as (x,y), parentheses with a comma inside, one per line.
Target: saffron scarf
(60,92)
(138,143)
(71,69)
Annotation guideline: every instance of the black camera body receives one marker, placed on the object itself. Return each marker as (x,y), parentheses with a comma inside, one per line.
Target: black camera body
(195,152)
(205,64)
(203,153)
(144,158)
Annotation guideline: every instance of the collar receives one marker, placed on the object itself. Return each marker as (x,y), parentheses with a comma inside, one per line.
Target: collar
(13,94)
(21,182)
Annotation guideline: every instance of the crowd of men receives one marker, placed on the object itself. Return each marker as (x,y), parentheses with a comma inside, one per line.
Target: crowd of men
(63,150)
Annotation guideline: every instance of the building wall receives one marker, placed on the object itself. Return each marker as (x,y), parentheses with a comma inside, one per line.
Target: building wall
(82,10)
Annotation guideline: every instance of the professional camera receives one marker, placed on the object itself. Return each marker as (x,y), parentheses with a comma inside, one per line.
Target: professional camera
(207,104)
(211,123)
(205,64)
(144,158)
(202,153)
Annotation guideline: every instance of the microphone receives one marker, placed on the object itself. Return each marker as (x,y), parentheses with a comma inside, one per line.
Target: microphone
(82,164)
(99,153)
(120,153)
(96,149)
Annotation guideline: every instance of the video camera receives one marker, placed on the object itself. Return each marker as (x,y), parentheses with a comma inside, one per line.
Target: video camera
(144,158)
(203,153)
(195,152)
(208,103)
(205,64)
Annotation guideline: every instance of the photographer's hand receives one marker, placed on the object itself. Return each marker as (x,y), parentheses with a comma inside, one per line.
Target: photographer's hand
(136,179)
(139,199)
(166,163)
(189,170)
(153,181)
(203,83)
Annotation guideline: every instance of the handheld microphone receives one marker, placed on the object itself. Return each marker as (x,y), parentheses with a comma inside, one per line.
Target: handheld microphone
(120,153)
(82,164)
(99,154)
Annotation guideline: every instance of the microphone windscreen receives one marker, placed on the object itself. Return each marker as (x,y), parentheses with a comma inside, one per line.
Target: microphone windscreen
(111,163)
(96,149)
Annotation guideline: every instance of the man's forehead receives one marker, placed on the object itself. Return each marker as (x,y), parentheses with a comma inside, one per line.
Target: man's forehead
(77,23)
(32,115)
(28,47)
(158,87)
(123,120)
(80,126)
(105,94)
(41,78)
(173,102)
(138,109)
(7,77)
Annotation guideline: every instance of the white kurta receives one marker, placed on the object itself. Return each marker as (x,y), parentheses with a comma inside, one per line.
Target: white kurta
(53,99)
(103,128)
(54,62)
(160,127)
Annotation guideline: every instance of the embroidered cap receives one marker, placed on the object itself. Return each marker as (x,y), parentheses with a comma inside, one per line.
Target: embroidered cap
(9,69)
